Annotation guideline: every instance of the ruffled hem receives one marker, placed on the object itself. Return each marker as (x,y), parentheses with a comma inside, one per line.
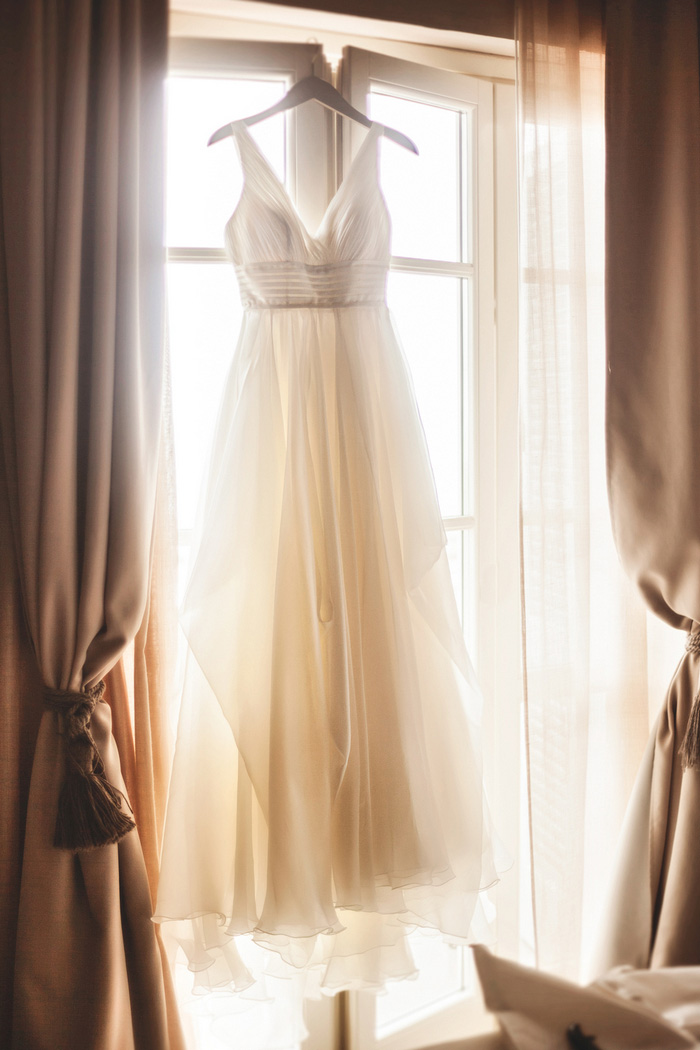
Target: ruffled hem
(274,974)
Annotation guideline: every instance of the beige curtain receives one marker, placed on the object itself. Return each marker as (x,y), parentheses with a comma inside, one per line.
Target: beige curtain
(80,390)
(653,433)
(584,629)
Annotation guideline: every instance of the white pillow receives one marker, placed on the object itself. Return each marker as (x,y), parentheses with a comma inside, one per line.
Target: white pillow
(626,1010)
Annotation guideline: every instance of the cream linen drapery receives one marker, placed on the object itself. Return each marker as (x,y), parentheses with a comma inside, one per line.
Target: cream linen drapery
(653,406)
(584,630)
(80,387)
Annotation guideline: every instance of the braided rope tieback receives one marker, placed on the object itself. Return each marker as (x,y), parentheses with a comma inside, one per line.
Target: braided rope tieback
(692,643)
(90,812)
(690,748)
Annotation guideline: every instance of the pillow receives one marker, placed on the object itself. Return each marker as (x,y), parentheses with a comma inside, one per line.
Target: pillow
(625,1010)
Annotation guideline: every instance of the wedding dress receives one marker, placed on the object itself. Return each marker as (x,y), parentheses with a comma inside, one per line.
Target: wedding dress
(326,795)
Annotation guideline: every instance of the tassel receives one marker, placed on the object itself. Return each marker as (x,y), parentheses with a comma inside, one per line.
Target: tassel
(90,812)
(690,748)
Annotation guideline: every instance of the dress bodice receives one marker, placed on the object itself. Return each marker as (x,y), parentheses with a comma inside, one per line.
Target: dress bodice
(280,264)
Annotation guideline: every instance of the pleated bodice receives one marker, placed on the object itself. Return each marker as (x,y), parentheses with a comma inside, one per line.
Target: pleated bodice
(279,264)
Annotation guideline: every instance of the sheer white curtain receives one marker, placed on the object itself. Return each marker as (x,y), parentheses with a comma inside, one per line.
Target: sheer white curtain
(585,642)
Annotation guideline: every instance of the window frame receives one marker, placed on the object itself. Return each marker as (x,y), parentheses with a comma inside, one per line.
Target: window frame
(494,383)
(492,413)
(309,125)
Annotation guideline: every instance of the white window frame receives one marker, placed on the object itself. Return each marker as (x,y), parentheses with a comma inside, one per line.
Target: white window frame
(491,416)
(494,410)
(309,125)
(312,127)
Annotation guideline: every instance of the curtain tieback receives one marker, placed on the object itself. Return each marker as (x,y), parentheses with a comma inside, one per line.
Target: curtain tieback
(90,812)
(690,748)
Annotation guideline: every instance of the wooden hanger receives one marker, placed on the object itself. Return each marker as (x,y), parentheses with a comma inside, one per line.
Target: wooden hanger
(323,92)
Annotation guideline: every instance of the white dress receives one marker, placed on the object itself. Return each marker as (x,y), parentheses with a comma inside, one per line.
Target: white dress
(327,794)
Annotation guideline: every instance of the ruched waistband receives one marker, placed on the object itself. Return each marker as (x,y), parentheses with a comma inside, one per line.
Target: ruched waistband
(298,285)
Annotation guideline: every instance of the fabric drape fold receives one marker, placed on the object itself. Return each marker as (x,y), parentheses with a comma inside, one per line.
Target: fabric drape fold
(81,317)
(584,629)
(19,724)
(653,390)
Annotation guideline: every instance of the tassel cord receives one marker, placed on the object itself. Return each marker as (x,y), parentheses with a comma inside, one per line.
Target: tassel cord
(90,811)
(690,748)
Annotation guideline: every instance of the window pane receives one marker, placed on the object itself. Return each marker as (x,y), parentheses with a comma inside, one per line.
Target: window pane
(204,316)
(470,592)
(423,192)
(204,184)
(443,974)
(455,557)
(427,313)
(461,555)
(245,1023)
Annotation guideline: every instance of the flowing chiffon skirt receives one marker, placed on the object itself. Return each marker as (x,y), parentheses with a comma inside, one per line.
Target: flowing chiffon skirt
(326,795)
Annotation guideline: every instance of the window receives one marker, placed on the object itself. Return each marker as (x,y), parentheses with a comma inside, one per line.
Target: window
(452,290)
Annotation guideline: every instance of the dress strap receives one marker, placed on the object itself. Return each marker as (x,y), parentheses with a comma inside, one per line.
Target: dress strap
(374,134)
(251,156)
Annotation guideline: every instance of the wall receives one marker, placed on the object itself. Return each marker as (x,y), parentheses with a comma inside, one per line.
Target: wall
(485,17)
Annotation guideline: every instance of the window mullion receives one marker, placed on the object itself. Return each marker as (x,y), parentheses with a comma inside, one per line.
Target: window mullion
(195,255)
(436,267)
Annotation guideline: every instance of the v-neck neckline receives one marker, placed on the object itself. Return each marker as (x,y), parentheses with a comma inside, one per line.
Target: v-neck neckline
(371,136)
